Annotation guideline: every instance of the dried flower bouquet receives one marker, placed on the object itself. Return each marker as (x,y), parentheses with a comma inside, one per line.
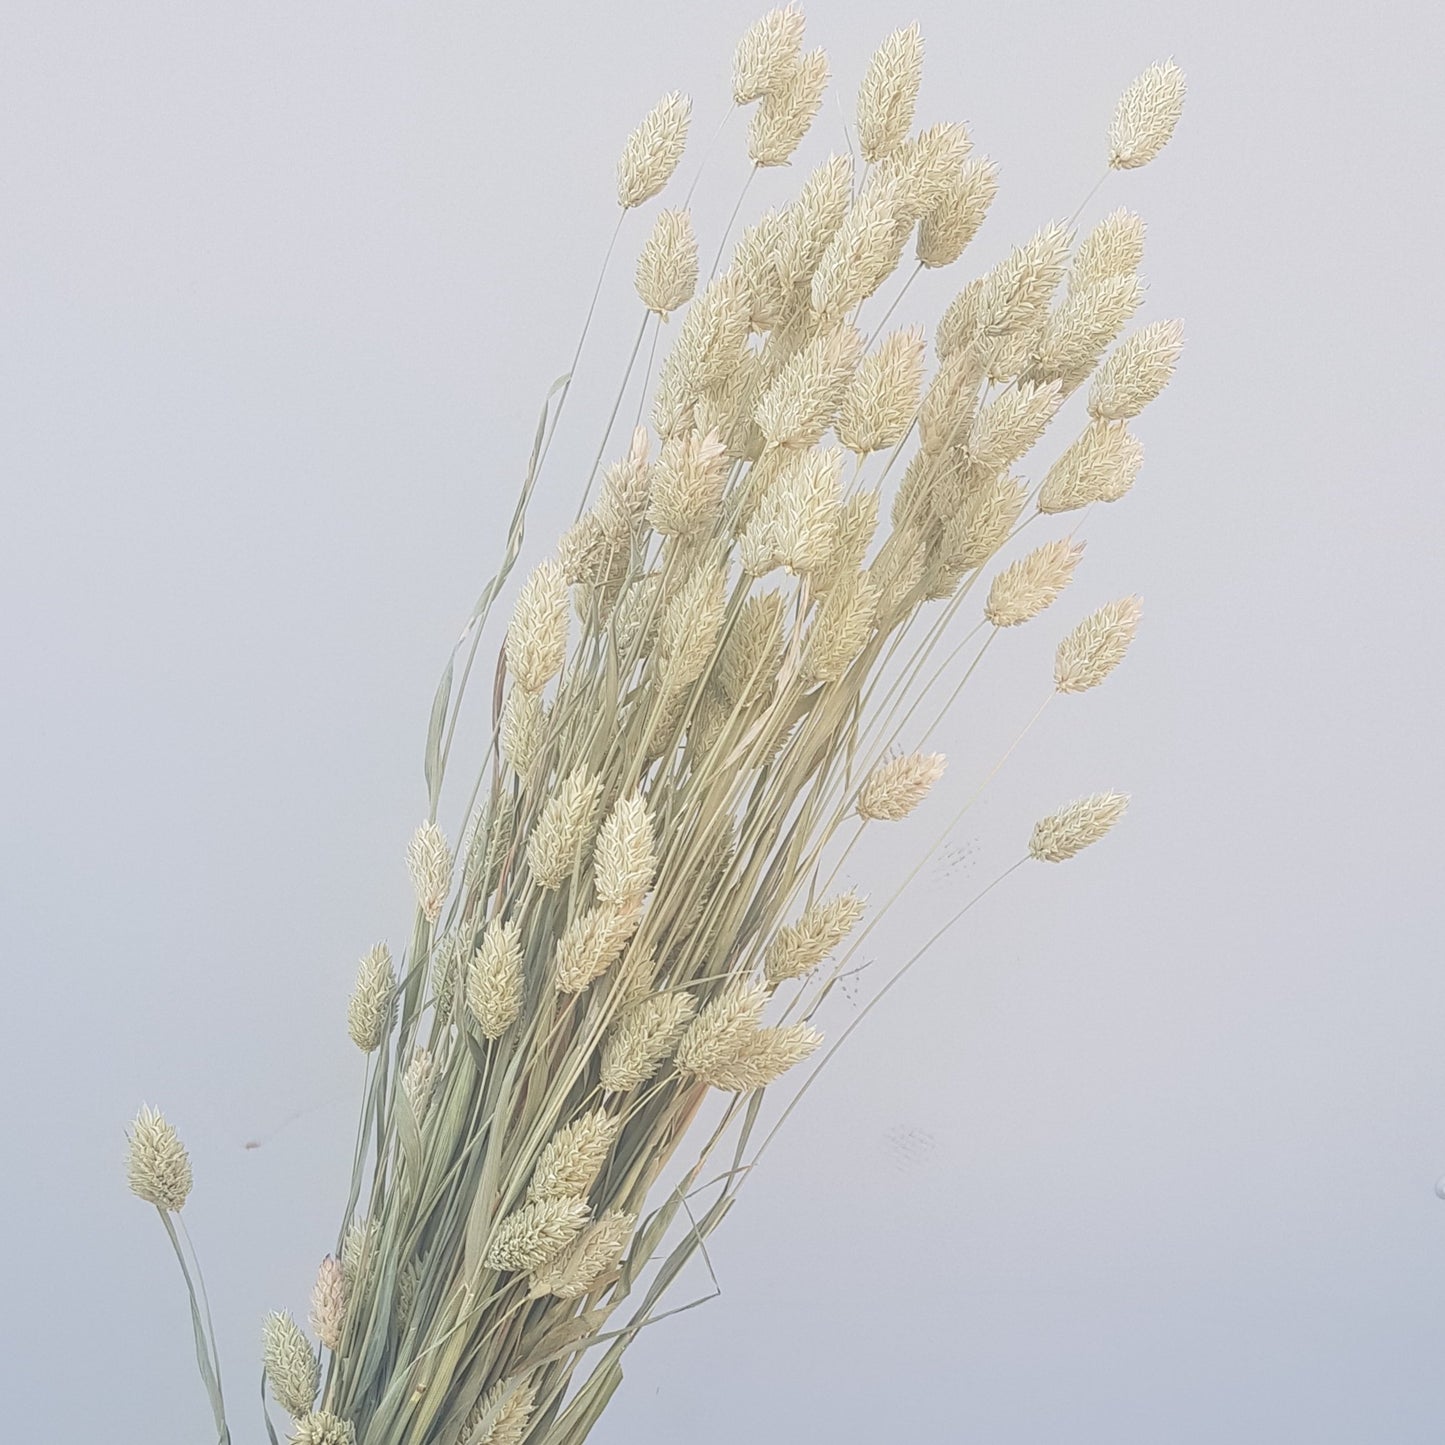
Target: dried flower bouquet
(697,708)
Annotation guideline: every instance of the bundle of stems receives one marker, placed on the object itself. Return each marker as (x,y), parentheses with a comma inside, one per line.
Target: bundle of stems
(697,711)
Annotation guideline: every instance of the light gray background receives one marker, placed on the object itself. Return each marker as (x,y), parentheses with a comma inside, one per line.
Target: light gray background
(1146,1153)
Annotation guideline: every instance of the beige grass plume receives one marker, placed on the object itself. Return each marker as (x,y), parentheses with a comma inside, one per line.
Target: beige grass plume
(882,398)
(896,787)
(292,1369)
(653,150)
(596,1254)
(328,1303)
(1073,828)
(564,828)
(1115,247)
(369,1014)
(158,1168)
(521,730)
(667,267)
(323,1428)
(501,1416)
(801,402)
(417,1082)
(857,258)
(843,625)
(1136,371)
(429,861)
(532,1236)
(494,978)
(626,855)
(1146,116)
(795,526)
(798,948)
(687,632)
(782,120)
(592,942)
(721,1029)
(959,215)
(687,484)
(889,92)
(767,55)
(572,1159)
(1024,588)
(537,637)
(644,1036)
(1009,425)
(1100,466)
(1096,646)
(764,1056)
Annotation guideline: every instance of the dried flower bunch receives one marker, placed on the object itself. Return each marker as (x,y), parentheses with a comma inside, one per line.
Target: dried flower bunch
(697,709)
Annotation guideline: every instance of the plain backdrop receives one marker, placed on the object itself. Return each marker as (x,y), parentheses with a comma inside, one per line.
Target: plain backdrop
(1145,1151)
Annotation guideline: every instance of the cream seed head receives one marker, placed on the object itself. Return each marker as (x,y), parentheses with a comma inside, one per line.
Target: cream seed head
(896,787)
(1146,116)
(532,1236)
(536,644)
(1024,588)
(653,150)
(767,54)
(328,1303)
(946,416)
(625,486)
(643,1038)
(1007,427)
(707,351)
(596,1254)
(749,660)
(1096,646)
(1100,466)
(687,633)
(522,726)
(782,120)
(1087,320)
(858,257)
(429,861)
(921,173)
(667,267)
(980,527)
(798,948)
(292,1369)
(882,398)
(721,1029)
(360,1251)
(800,403)
(763,1057)
(687,484)
(625,862)
(795,525)
(592,942)
(564,828)
(1136,371)
(418,1081)
(572,1159)
(369,1014)
(854,524)
(1115,247)
(495,978)
(843,625)
(158,1168)
(501,1416)
(808,226)
(889,92)
(321,1427)
(959,215)
(1073,828)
